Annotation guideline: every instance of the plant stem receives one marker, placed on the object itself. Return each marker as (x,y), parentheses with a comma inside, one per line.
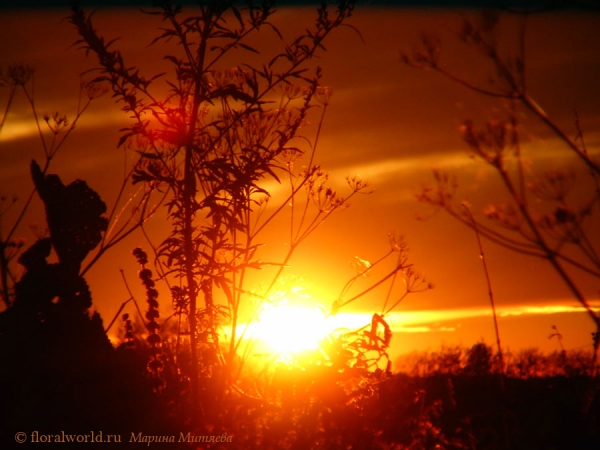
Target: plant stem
(489,285)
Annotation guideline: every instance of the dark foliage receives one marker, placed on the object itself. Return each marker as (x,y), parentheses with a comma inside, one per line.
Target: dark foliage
(58,370)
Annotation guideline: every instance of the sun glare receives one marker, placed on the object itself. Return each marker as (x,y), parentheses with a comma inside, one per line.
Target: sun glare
(291,329)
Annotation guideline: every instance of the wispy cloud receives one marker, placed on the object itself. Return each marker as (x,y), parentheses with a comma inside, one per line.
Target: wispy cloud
(432,321)
(26,127)
(385,169)
(437,320)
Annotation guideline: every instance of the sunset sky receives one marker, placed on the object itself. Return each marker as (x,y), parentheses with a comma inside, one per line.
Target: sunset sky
(389,124)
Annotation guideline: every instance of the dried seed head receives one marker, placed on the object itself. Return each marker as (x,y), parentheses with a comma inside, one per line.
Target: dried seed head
(19,74)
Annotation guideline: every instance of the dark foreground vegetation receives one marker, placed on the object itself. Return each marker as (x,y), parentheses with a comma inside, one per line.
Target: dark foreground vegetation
(60,375)
(63,375)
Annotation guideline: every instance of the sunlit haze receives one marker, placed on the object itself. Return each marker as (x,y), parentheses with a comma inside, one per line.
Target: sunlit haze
(291,329)
(387,123)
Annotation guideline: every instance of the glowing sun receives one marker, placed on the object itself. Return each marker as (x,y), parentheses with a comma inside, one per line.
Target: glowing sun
(292,329)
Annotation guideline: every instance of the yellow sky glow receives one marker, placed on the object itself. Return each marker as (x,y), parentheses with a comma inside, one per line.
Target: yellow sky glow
(293,329)
(386,123)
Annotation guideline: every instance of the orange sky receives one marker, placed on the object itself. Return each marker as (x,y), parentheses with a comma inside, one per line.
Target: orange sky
(388,123)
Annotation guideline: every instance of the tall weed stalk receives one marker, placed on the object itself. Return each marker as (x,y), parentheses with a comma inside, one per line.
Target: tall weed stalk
(544,217)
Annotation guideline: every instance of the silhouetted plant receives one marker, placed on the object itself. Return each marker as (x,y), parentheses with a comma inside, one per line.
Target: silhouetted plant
(210,144)
(53,130)
(75,221)
(210,159)
(48,328)
(211,165)
(366,347)
(128,337)
(52,295)
(59,370)
(544,217)
(18,78)
(479,360)
(155,365)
